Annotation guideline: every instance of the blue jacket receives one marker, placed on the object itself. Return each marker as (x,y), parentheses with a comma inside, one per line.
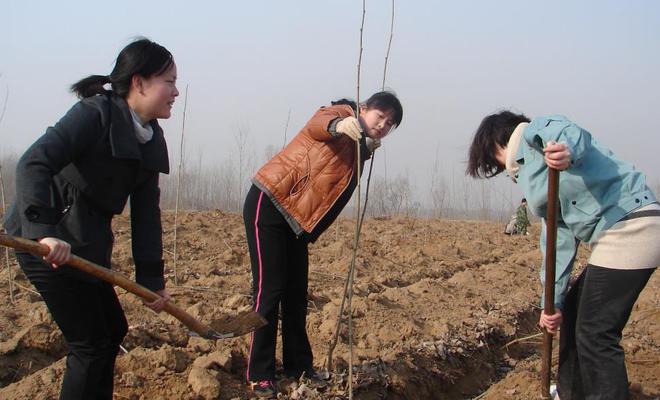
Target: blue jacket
(595,192)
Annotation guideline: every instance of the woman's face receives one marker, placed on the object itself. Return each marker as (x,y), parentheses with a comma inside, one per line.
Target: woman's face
(378,123)
(157,94)
(500,154)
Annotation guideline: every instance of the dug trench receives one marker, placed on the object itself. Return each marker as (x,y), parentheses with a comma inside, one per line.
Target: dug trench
(435,304)
(447,368)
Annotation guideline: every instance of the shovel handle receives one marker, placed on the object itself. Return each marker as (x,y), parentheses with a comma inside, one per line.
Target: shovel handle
(112,277)
(550,261)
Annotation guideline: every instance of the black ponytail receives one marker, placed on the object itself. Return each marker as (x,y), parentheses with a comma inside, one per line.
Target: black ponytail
(347,102)
(90,86)
(141,57)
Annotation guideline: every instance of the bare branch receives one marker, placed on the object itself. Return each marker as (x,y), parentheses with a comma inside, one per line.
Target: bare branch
(10,274)
(389,46)
(347,295)
(286,127)
(178,184)
(4,104)
(359,65)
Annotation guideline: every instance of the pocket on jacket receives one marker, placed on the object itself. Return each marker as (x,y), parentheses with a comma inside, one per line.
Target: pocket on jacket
(81,224)
(299,185)
(584,204)
(302,179)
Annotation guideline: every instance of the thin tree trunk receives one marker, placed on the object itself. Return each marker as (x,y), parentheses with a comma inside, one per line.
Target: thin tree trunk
(355,246)
(10,274)
(286,127)
(389,46)
(178,186)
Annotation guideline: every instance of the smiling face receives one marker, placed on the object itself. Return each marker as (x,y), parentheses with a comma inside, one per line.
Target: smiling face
(153,97)
(378,123)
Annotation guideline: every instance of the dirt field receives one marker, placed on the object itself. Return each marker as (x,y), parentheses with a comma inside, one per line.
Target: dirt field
(435,304)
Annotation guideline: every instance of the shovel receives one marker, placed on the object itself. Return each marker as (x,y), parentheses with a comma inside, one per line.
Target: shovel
(549,294)
(221,329)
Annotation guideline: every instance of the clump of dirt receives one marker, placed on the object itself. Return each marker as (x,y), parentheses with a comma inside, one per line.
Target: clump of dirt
(435,304)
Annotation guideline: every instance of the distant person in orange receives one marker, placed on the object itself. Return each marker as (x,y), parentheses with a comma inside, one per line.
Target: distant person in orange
(603,201)
(294,198)
(69,185)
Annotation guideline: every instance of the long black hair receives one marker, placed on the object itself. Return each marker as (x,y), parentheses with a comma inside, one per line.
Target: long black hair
(495,129)
(142,57)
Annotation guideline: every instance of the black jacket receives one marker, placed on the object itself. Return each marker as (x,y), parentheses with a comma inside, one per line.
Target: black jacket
(81,172)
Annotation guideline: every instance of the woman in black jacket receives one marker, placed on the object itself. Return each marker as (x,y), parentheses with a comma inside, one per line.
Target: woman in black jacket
(69,185)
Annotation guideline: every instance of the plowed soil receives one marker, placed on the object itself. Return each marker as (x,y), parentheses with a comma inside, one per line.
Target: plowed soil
(437,307)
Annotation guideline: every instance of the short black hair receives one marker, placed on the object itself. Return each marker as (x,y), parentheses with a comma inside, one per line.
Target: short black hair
(495,129)
(386,100)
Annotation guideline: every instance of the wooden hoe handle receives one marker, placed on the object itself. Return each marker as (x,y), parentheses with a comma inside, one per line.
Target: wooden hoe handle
(550,261)
(114,278)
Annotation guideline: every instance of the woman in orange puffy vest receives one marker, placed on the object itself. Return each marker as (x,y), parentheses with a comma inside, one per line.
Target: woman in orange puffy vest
(294,198)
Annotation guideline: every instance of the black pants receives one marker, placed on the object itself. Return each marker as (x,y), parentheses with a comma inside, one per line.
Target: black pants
(597,308)
(90,317)
(279,278)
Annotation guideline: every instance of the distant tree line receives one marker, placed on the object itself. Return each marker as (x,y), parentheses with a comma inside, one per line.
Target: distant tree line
(223,184)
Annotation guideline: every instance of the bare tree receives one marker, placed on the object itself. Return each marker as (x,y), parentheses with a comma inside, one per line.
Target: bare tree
(438,188)
(400,194)
(387,57)
(379,203)
(465,193)
(392,198)
(484,211)
(347,297)
(10,275)
(286,127)
(244,164)
(389,46)
(269,152)
(4,104)
(178,185)
(227,188)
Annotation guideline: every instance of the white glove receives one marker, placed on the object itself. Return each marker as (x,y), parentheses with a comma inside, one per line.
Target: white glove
(349,126)
(372,144)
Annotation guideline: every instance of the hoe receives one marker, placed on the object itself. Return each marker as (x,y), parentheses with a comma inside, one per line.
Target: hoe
(221,329)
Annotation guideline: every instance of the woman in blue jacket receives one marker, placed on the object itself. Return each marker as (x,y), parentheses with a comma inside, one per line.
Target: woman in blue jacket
(69,185)
(604,202)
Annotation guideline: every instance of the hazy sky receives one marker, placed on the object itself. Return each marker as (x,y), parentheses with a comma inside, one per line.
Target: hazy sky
(249,63)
